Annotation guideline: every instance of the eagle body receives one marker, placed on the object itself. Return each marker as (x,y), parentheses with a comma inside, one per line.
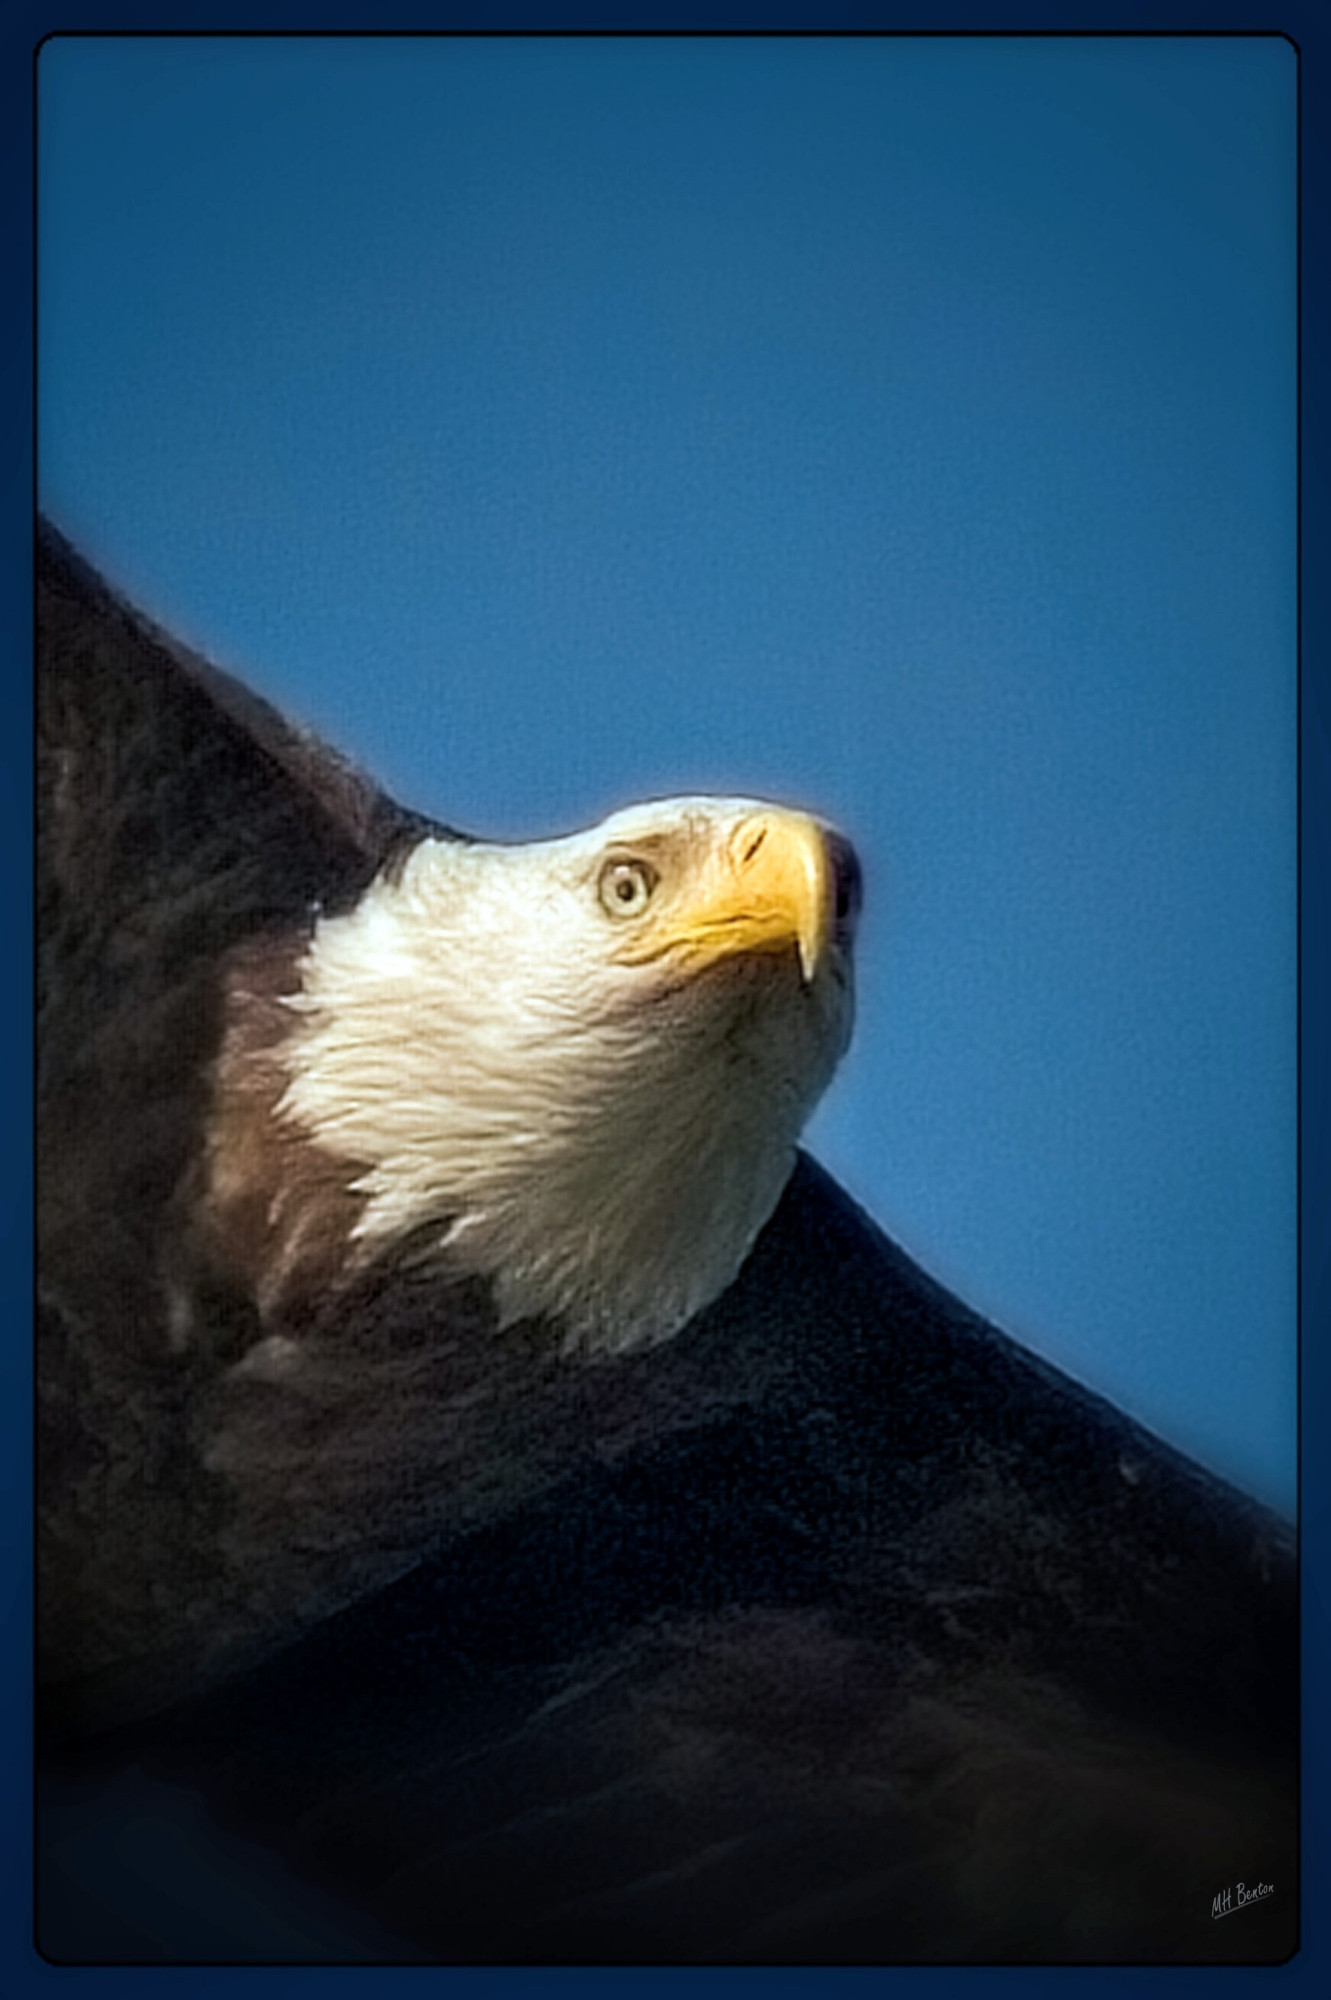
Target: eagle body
(490,1468)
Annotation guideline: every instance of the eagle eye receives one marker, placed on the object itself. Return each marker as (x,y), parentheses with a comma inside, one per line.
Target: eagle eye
(626,887)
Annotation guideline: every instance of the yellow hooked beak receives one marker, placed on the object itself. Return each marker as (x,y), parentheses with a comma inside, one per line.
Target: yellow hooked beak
(768,888)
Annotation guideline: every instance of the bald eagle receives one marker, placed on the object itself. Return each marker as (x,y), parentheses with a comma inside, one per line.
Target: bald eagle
(486,1462)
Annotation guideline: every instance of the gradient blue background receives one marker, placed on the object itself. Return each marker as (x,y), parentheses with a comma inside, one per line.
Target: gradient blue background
(906,429)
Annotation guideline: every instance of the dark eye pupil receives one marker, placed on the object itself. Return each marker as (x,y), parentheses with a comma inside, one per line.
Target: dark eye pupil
(626,886)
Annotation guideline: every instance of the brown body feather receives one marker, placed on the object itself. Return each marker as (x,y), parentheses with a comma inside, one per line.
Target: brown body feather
(276,1211)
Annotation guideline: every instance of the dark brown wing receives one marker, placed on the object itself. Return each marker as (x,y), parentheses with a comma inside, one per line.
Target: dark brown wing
(874,1640)
(177,811)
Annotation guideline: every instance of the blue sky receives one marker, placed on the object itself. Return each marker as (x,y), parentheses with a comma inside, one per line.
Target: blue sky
(903,428)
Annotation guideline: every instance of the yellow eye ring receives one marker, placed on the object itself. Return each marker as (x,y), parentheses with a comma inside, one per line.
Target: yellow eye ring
(625,887)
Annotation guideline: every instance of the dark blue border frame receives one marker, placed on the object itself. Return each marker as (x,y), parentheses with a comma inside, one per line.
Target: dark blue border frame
(22,27)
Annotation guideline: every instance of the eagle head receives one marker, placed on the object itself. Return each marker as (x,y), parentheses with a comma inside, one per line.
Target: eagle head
(578,1068)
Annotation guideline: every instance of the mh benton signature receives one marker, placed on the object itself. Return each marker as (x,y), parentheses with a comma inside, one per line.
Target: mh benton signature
(1229,1900)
